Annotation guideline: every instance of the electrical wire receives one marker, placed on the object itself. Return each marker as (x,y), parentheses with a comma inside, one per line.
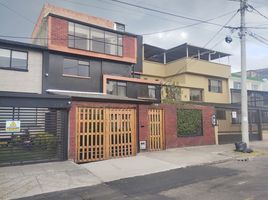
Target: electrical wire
(17,13)
(186,26)
(213,37)
(165,13)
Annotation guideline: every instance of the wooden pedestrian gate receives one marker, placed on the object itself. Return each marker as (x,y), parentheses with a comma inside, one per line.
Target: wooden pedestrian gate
(104,133)
(156,128)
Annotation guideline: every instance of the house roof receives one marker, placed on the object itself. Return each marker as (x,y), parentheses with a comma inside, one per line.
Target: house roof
(92,95)
(249,78)
(22,45)
(156,54)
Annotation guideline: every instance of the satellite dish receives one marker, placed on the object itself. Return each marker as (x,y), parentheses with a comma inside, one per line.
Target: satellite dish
(228,39)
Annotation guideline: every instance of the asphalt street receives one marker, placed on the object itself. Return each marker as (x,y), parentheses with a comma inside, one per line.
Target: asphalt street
(236,180)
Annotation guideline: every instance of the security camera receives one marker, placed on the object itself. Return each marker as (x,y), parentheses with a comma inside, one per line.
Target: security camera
(228,39)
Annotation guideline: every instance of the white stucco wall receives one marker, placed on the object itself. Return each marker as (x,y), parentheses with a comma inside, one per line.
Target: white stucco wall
(24,81)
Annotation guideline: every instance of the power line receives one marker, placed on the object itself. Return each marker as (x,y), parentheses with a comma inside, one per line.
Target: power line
(17,13)
(258,12)
(112,10)
(166,13)
(213,37)
(187,26)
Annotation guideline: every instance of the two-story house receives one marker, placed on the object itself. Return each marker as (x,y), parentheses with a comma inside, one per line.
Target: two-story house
(189,69)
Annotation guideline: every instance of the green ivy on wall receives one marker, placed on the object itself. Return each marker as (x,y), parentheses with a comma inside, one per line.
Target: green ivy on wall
(189,122)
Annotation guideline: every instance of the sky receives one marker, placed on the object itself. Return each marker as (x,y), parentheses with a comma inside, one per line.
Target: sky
(17,18)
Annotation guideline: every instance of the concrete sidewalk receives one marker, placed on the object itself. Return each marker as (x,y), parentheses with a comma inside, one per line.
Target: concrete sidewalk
(153,162)
(28,180)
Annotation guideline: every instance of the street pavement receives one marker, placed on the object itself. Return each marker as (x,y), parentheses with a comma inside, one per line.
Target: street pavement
(101,180)
(235,180)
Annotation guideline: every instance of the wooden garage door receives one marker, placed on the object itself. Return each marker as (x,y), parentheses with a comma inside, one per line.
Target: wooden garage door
(156,139)
(104,133)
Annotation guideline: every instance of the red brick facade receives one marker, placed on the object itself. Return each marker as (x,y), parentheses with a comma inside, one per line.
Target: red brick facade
(58,32)
(170,124)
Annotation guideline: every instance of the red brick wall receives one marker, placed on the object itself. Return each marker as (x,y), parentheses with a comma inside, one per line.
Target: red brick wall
(130,47)
(170,126)
(58,32)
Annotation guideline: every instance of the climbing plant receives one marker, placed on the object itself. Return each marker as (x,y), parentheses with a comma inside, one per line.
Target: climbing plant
(189,122)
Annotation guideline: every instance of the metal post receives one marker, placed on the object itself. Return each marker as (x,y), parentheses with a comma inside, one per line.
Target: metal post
(165,58)
(244,96)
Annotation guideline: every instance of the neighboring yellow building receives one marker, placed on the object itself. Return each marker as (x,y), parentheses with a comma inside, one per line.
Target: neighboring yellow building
(190,71)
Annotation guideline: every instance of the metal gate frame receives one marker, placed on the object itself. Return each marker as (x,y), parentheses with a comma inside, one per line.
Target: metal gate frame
(29,100)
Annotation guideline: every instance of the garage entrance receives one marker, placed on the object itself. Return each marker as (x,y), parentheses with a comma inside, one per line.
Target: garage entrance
(104,133)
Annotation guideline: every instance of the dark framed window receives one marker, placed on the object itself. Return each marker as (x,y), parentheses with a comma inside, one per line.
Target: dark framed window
(13,59)
(215,85)
(264,116)
(221,114)
(147,91)
(93,39)
(117,88)
(195,95)
(76,67)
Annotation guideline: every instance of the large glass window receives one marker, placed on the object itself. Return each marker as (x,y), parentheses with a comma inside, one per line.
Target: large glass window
(93,39)
(117,88)
(12,59)
(215,85)
(75,67)
(195,95)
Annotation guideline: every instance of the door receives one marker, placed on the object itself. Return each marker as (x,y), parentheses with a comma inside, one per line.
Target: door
(104,133)
(156,129)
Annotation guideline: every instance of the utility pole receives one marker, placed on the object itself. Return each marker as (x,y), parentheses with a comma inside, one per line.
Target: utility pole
(244,95)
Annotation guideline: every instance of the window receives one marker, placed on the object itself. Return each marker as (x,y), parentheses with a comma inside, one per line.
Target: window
(195,95)
(221,114)
(117,88)
(93,39)
(147,91)
(235,96)
(264,116)
(215,85)
(75,67)
(119,27)
(255,87)
(151,91)
(237,85)
(11,59)
(237,114)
